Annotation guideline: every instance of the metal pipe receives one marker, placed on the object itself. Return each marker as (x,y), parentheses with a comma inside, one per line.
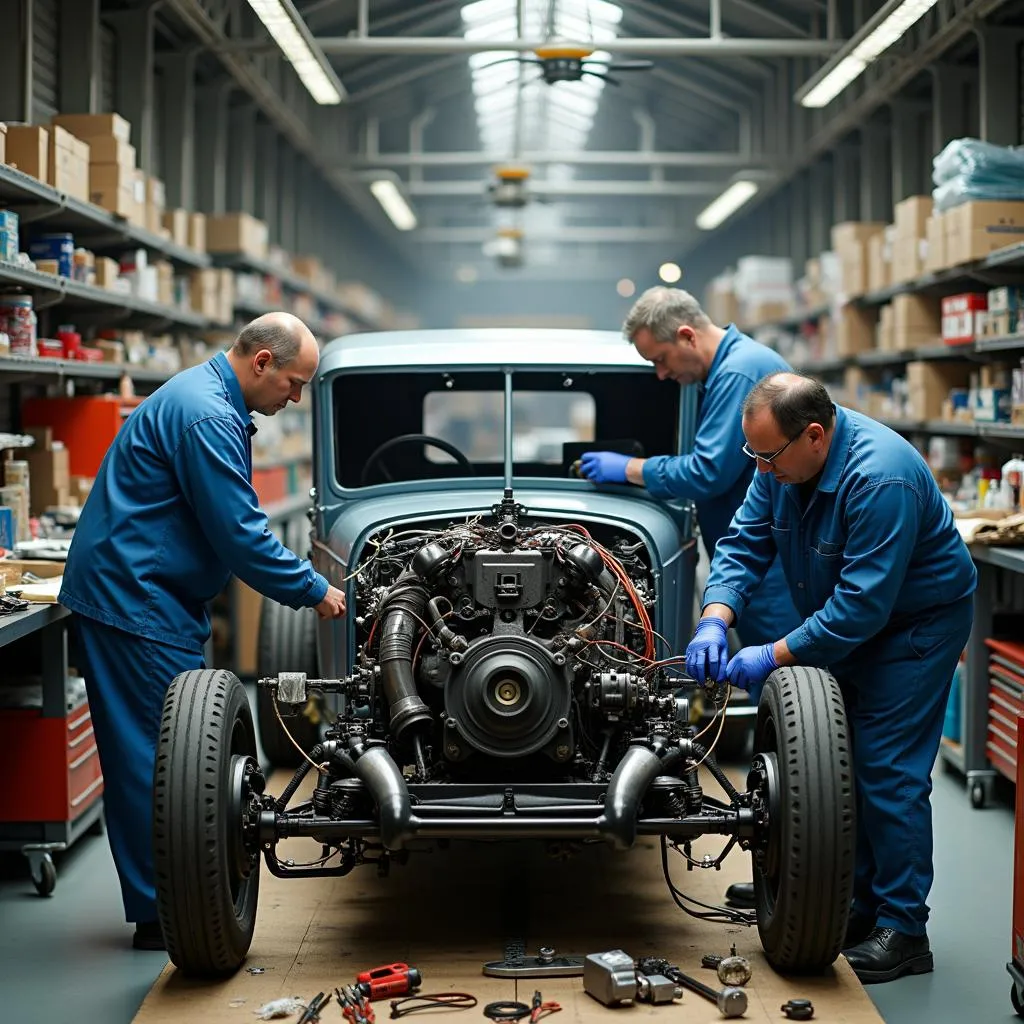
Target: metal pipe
(403,78)
(646,123)
(363,19)
(716,19)
(832,21)
(610,158)
(509,426)
(376,46)
(581,187)
(614,233)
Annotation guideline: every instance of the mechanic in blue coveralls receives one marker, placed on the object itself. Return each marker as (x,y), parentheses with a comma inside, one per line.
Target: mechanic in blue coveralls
(885,587)
(171,516)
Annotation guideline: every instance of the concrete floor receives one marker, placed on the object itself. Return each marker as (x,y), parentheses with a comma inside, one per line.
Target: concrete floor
(71,954)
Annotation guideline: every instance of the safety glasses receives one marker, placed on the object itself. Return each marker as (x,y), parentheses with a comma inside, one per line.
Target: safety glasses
(768,457)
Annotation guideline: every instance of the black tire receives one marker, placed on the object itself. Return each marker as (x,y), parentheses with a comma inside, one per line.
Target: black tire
(47,880)
(287,643)
(803,888)
(207,884)
(1015,1000)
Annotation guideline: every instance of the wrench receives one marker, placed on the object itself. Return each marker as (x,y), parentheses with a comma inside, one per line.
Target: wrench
(731,1001)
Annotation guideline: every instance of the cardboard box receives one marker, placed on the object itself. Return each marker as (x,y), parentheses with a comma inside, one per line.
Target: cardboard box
(910,216)
(107,272)
(197,231)
(87,126)
(884,332)
(176,222)
(3,142)
(962,317)
(204,292)
(237,232)
(935,257)
(50,475)
(106,149)
(165,282)
(965,248)
(906,263)
(851,233)
(855,330)
(28,149)
(917,315)
(878,263)
(929,384)
(225,296)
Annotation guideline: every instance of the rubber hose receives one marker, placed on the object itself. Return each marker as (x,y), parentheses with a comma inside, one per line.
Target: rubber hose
(296,780)
(401,610)
(723,780)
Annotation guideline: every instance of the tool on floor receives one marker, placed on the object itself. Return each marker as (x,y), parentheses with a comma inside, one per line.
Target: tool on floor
(432,1001)
(510,1010)
(731,1002)
(731,969)
(312,1011)
(355,1007)
(388,980)
(612,978)
(548,963)
(798,1009)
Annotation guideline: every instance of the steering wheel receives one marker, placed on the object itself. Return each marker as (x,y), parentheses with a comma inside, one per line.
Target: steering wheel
(428,440)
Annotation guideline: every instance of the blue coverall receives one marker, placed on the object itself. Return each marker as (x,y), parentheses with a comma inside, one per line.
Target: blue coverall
(171,516)
(716,474)
(885,586)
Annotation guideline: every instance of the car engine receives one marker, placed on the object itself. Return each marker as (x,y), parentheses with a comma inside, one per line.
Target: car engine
(503,645)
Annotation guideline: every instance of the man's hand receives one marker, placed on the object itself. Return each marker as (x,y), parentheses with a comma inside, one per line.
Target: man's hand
(752,666)
(708,651)
(604,467)
(333,604)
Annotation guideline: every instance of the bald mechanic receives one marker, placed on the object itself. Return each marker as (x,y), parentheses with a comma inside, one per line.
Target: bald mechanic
(885,587)
(171,516)
(669,329)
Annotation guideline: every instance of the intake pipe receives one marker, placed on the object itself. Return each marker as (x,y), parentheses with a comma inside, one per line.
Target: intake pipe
(403,609)
(640,765)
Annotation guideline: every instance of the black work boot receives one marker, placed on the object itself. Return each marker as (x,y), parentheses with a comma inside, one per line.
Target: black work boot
(740,895)
(148,936)
(858,927)
(887,954)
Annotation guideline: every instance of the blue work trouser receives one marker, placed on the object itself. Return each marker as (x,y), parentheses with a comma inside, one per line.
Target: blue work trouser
(896,692)
(126,677)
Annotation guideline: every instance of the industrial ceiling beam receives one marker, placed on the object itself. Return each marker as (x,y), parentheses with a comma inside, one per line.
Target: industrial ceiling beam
(611,158)
(349,46)
(406,77)
(580,187)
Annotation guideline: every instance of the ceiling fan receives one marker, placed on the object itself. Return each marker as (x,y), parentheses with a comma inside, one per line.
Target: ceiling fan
(565,62)
(510,188)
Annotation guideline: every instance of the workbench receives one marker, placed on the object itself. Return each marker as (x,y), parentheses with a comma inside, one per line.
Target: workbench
(969,756)
(48,754)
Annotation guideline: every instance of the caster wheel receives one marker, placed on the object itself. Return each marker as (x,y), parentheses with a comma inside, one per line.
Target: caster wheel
(1015,999)
(46,882)
(98,827)
(977,795)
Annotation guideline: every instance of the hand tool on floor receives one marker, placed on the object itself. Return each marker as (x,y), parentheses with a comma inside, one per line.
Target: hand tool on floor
(731,1002)
(355,1007)
(612,978)
(732,969)
(388,981)
(548,963)
(798,1009)
(312,1012)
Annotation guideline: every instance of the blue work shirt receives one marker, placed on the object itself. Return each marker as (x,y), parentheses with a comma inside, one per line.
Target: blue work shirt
(874,551)
(716,474)
(172,514)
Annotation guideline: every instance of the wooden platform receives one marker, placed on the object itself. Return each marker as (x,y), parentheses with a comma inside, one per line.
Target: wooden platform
(446,913)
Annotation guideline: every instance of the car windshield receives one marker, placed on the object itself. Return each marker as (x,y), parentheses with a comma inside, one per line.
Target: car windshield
(425,425)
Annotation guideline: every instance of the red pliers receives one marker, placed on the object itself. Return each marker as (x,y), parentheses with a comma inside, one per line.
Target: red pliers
(356,1007)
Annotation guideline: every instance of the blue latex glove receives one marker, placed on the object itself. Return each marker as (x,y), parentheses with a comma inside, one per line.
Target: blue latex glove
(708,651)
(752,666)
(604,467)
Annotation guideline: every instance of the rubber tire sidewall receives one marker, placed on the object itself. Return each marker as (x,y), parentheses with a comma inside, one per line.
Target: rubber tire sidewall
(206,721)
(803,931)
(287,643)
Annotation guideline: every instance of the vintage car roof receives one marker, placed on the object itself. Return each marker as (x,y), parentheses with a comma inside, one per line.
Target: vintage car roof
(491,347)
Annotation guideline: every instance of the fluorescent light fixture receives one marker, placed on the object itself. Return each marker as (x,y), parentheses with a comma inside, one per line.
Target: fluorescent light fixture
(884,30)
(292,35)
(722,208)
(387,193)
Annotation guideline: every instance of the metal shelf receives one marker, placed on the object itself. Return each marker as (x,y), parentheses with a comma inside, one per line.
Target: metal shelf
(93,227)
(287,507)
(1004,558)
(823,366)
(1001,431)
(284,460)
(14,627)
(34,365)
(1003,343)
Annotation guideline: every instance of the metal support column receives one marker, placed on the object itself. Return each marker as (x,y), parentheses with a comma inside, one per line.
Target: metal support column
(875,179)
(781,224)
(999,72)
(212,147)
(135,70)
(16,66)
(79,65)
(949,104)
(908,166)
(821,194)
(800,199)
(178,128)
(288,180)
(266,189)
(845,188)
(241,181)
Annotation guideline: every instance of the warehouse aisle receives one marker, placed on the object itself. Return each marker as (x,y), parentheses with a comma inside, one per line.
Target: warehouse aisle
(70,954)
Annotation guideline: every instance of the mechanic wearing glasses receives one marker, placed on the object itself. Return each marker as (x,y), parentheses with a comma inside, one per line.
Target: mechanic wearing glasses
(171,516)
(885,586)
(668,328)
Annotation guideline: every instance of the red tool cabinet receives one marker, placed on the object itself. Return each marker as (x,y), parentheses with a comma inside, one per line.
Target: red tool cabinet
(1016,964)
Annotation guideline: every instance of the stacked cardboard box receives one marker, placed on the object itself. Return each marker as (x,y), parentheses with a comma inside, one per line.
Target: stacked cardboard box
(885,332)
(237,232)
(850,242)
(880,260)
(156,201)
(916,322)
(197,231)
(721,302)
(49,471)
(68,163)
(1004,309)
(28,149)
(976,229)
(929,385)
(212,294)
(855,330)
(175,223)
(165,282)
(935,244)
(910,222)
